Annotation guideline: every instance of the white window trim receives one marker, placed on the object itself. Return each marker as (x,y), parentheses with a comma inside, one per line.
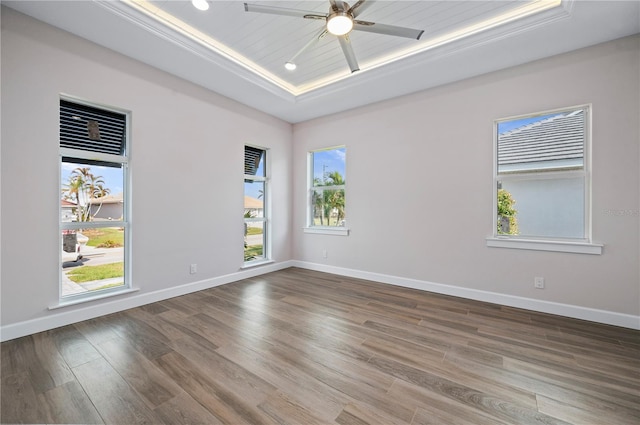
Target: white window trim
(95,295)
(578,246)
(266,212)
(545,245)
(256,263)
(309,227)
(324,230)
(68,300)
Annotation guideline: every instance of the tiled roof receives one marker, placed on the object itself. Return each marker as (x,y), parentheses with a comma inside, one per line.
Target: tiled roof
(252,203)
(555,142)
(109,199)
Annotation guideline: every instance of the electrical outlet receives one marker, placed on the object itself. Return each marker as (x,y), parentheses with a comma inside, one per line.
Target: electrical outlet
(193,268)
(538,282)
(324,253)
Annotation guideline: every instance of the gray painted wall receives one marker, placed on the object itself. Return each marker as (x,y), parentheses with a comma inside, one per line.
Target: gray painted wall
(187,150)
(419,188)
(419,177)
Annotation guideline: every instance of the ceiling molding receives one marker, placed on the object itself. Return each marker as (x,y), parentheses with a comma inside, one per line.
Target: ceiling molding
(199,46)
(441,50)
(134,33)
(150,18)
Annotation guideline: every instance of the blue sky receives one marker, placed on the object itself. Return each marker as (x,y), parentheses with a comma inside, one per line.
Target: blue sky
(328,161)
(505,126)
(253,188)
(111,176)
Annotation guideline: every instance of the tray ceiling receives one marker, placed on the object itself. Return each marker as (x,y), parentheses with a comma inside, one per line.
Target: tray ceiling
(264,42)
(242,54)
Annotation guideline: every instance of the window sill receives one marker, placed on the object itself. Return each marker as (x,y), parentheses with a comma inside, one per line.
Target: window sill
(545,245)
(341,231)
(88,298)
(250,264)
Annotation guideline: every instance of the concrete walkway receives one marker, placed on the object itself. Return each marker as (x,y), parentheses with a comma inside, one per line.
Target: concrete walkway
(92,257)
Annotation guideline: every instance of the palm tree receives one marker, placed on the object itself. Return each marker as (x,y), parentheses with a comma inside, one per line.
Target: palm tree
(97,191)
(318,201)
(72,190)
(335,199)
(83,186)
(326,201)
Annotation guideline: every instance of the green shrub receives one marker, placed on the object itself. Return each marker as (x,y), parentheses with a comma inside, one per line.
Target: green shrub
(506,209)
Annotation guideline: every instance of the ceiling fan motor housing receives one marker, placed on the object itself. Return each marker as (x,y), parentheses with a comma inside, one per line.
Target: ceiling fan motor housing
(340,22)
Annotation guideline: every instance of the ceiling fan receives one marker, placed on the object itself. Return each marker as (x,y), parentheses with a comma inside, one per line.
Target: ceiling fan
(339,21)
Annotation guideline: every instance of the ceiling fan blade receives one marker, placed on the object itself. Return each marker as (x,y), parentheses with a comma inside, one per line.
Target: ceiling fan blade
(296,13)
(337,5)
(360,6)
(345,43)
(387,29)
(316,37)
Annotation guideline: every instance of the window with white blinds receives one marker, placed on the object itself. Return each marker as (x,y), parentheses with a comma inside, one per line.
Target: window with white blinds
(256,213)
(94,205)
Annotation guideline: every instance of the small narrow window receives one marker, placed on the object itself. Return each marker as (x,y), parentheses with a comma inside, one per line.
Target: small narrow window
(327,183)
(94,222)
(542,176)
(256,220)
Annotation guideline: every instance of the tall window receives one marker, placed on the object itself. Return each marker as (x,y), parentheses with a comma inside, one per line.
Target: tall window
(256,190)
(94,222)
(327,180)
(542,176)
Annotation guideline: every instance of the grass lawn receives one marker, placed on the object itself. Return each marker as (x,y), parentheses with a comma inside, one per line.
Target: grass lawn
(108,237)
(252,252)
(333,222)
(89,273)
(254,231)
(111,285)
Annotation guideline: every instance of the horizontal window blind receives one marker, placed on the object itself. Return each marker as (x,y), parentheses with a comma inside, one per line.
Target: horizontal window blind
(91,129)
(252,157)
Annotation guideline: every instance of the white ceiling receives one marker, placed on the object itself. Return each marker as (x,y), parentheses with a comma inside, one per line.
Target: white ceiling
(241,54)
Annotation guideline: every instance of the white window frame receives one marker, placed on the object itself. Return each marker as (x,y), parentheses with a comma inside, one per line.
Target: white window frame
(123,160)
(583,245)
(266,210)
(310,227)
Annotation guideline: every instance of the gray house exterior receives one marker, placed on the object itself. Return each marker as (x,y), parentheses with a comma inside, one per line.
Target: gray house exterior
(549,204)
(107,208)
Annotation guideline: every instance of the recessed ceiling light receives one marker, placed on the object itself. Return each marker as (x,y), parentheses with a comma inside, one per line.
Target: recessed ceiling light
(526,11)
(290,66)
(200,4)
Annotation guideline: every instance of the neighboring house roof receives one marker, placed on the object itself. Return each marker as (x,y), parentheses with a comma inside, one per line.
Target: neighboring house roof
(109,199)
(252,203)
(67,204)
(556,142)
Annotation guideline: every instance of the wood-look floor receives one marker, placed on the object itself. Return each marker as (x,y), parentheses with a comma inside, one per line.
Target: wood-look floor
(302,347)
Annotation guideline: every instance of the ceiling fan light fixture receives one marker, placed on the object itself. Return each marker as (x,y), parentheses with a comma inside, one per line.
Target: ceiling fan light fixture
(200,4)
(339,23)
(290,66)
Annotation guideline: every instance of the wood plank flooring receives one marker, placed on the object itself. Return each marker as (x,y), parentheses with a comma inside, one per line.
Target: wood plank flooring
(303,347)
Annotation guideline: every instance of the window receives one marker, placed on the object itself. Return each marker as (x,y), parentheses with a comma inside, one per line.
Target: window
(256,190)
(542,179)
(327,180)
(94,222)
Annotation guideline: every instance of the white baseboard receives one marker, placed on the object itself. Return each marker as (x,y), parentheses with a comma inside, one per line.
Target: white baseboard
(92,309)
(567,310)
